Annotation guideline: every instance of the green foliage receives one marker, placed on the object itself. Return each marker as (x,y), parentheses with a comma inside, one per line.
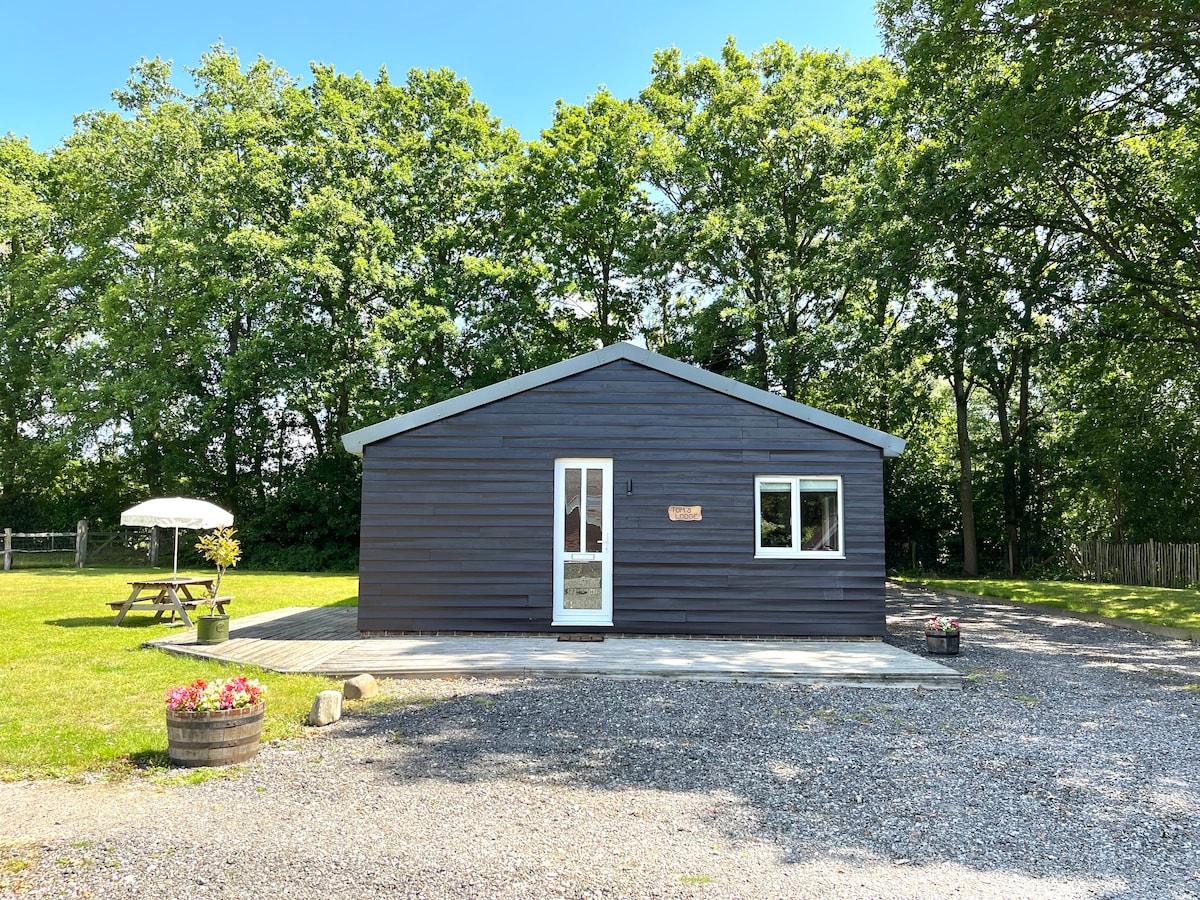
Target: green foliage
(1127,436)
(221,549)
(766,159)
(311,525)
(1089,105)
(579,201)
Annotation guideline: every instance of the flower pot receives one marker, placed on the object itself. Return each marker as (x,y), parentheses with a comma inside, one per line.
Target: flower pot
(943,642)
(215,737)
(212,629)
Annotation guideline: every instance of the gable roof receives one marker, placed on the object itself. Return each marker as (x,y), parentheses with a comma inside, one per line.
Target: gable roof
(355,441)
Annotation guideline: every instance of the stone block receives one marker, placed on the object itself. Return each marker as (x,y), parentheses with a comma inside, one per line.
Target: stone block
(360,687)
(326,709)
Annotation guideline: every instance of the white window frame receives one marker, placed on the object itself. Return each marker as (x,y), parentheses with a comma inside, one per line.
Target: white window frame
(795,551)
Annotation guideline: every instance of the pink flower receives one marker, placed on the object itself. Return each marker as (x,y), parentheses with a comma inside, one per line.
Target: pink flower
(233,693)
(941,624)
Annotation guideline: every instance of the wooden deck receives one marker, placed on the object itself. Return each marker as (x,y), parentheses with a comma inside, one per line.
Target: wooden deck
(326,641)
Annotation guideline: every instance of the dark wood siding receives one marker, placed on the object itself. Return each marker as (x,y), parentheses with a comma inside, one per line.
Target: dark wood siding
(457,515)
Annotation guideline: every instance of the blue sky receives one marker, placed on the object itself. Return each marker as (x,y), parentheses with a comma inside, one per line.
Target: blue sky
(62,59)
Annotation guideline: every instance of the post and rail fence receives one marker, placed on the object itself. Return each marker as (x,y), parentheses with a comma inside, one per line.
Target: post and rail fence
(1153,564)
(78,548)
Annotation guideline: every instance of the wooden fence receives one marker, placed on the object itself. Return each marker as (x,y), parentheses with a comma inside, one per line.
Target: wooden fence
(1151,565)
(27,549)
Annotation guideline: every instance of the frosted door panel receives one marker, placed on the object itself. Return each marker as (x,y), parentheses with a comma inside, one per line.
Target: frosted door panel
(583,585)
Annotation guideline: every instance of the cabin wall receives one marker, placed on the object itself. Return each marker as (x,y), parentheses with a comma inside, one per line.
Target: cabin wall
(457,515)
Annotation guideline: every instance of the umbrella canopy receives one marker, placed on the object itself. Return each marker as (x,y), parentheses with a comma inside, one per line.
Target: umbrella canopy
(177,512)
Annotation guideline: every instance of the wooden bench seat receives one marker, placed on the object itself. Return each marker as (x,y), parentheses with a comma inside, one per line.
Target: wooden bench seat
(161,607)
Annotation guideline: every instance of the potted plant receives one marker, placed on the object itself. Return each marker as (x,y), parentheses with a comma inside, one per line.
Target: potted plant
(942,634)
(215,724)
(222,550)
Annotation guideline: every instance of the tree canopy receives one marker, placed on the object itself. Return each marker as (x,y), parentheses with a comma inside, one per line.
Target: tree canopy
(986,241)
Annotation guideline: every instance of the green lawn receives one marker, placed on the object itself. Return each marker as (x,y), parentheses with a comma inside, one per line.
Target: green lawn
(77,694)
(1176,608)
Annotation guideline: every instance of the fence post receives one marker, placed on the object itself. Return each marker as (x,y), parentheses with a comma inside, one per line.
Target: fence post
(153,546)
(7,549)
(81,532)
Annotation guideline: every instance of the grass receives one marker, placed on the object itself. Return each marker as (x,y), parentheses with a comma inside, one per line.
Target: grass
(1172,607)
(78,695)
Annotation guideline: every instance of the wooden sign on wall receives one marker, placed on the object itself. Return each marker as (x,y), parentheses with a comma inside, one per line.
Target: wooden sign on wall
(684,513)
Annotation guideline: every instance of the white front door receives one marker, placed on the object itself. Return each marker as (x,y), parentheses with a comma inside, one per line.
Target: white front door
(583,517)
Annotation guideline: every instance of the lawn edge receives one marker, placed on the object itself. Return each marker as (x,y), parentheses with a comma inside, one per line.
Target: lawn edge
(1167,631)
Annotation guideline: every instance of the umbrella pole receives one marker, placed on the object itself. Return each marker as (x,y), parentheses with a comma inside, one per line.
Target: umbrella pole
(175,567)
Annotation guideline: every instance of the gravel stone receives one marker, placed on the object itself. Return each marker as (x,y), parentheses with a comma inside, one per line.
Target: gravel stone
(1067,767)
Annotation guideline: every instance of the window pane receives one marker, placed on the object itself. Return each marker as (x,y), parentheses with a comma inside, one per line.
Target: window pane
(571,512)
(775,511)
(818,517)
(594,541)
(818,484)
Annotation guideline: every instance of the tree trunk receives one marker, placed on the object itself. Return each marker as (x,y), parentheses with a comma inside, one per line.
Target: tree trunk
(962,394)
(791,375)
(761,358)
(1023,439)
(603,312)
(1008,477)
(965,491)
(230,448)
(314,427)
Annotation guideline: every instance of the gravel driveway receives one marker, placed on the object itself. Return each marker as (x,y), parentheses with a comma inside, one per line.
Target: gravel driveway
(1067,767)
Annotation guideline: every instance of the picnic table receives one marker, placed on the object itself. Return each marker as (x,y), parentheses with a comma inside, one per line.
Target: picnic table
(167,595)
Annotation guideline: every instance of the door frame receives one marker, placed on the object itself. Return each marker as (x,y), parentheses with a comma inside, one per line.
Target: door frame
(583,617)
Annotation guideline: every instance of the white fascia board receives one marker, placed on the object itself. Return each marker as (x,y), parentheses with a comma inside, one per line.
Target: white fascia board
(356,440)
(888,443)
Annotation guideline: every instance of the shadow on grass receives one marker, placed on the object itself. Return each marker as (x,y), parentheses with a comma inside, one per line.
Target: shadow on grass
(94,621)
(150,759)
(96,572)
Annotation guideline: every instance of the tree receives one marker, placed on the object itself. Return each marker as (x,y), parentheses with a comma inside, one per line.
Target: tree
(1092,103)
(37,323)
(579,201)
(1125,439)
(125,187)
(768,155)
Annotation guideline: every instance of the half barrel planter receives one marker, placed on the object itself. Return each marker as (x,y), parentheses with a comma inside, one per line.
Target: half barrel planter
(944,643)
(215,737)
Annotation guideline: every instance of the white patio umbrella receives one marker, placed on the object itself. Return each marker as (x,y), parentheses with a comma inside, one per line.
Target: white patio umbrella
(177,512)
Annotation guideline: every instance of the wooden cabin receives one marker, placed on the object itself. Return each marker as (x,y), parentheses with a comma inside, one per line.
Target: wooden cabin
(623,492)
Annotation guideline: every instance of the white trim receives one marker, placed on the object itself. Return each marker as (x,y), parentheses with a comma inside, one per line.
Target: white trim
(795,551)
(889,445)
(588,617)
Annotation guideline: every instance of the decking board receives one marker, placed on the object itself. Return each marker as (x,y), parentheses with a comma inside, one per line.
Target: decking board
(325,641)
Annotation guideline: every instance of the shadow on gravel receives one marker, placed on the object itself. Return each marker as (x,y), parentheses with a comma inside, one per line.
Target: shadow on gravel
(1060,760)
